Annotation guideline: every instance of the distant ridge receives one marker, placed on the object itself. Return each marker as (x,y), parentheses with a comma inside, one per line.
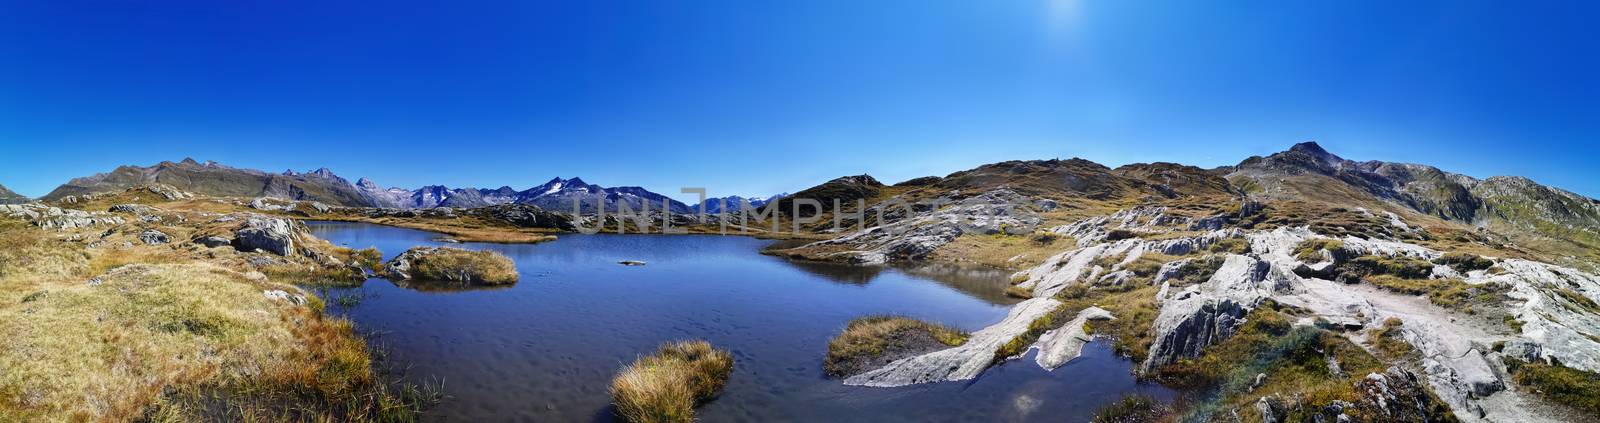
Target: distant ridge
(8,197)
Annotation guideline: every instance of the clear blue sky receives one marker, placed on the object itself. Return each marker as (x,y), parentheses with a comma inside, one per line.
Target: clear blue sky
(749,97)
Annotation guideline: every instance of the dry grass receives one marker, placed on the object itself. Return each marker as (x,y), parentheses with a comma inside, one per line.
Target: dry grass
(873,336)
(124,332)
(1575,388)
(667,385)
(455,264)
(1004,251)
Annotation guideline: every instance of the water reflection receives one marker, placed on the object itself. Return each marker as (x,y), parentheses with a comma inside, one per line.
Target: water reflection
(545,348)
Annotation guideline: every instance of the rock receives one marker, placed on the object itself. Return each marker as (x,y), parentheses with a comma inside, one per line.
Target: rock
(962,362)
(265,234)
(1272,409)
(320,208)
(1060,345)
(280,295)
(263,261)
(1208,313)
(138,209)
(913,237)
(1397,395)
(213,241)
(57,218)
(261,203)
(1260,378)
(154,237)
(1333,366)
(1523,350)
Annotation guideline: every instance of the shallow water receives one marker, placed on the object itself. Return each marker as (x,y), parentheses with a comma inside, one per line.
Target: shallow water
(546,348)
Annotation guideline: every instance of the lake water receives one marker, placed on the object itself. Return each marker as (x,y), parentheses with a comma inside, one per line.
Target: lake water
(546,348)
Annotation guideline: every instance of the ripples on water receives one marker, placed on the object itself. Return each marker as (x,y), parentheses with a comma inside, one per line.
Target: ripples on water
(546,348)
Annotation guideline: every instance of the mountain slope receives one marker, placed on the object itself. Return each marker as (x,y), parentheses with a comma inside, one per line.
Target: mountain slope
(561,194)
(8,197)
(217,180)
(1555,220)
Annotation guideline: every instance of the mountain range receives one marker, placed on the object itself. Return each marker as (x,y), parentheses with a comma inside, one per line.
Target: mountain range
(1305,171)
(323,185)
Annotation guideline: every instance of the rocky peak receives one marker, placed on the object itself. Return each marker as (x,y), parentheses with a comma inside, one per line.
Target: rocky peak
(189,161)
(1312,148)
(367,184)
(324,173)
(290,172)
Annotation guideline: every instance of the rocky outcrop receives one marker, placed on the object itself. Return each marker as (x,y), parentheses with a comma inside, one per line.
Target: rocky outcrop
(914,236)
(1396,395)
(213,241)
(58,218)
(261,233)
(1205,314)
(1060,345)
(962,362)
(154,237)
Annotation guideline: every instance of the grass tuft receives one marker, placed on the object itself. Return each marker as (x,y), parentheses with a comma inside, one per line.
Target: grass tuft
(667,385)
(873,339)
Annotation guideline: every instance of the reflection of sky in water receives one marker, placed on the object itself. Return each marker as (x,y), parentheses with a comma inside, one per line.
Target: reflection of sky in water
(546,348)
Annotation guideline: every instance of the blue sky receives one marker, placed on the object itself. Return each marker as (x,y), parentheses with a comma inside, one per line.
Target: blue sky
(754,97)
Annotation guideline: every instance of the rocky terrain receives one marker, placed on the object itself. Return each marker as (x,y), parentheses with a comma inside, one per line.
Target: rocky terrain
(191,305)
(1443,284)
(1298,286)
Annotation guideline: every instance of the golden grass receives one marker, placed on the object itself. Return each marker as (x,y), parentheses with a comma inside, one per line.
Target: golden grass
(124,332)
(1004,251)
(455,264)
(667,385)
(873,336)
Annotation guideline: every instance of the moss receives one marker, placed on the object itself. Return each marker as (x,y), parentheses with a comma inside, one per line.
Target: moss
(1575,388)
(1576,301)
(667,385)
(1310,250)
(1036,328)
(1019,292)
(1464,262)
(1197,271)
(1120,234)
(871,337)
(1402,267)
(1230,245)
(1387,339)
(1448,293)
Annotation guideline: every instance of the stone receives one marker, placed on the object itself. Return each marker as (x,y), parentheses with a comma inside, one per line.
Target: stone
(962,362)
(213,241)
(260,233)
(154,237)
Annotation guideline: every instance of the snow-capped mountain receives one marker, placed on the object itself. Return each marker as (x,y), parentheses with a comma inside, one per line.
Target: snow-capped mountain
(735,203)
(556,195)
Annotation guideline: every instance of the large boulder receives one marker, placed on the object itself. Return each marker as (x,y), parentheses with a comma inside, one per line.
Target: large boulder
(260,233)
(154,237)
